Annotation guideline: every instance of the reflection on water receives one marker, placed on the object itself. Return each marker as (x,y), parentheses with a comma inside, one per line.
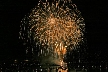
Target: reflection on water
(26,66)
(50,70)
(34,68)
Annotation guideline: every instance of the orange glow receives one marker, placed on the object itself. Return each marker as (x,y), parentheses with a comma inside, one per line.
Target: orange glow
(53,27)
(52,21)
(61,70)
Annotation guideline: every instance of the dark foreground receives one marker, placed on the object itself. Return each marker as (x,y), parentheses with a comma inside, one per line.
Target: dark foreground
(26,66)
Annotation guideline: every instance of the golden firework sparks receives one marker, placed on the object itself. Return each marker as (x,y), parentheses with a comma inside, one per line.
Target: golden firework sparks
(57,24)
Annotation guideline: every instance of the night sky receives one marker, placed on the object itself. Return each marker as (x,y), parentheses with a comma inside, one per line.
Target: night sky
(12,11)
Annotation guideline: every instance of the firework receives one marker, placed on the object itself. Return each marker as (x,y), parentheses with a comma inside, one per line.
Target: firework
(55,26)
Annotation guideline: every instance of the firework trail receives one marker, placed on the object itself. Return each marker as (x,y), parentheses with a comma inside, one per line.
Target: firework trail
(55,26)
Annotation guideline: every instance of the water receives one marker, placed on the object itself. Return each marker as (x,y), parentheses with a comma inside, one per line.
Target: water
(36,67)
(49,69)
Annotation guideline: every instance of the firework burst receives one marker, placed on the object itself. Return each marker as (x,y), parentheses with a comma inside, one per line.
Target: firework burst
(55,26)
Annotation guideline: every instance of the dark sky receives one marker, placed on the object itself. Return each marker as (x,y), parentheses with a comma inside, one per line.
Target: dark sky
(12,11)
